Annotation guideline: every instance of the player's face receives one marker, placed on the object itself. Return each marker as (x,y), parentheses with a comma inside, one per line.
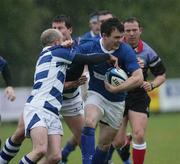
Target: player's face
(112,42)
(132,32)
(63,29)
(95,27)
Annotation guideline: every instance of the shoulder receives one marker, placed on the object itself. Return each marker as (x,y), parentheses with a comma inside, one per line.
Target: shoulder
(148,48)
(125,48)
(87,34)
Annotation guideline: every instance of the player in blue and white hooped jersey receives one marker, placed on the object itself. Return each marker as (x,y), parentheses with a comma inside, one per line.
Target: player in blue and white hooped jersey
(41,112)
(138,100)
(101,105)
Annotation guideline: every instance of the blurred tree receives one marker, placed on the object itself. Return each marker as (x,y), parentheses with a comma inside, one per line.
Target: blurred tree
(20,30)
(23,21)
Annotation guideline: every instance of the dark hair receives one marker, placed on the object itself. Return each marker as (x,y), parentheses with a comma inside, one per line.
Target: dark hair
(131,20)
(104,12)
(110,25)
(63,18)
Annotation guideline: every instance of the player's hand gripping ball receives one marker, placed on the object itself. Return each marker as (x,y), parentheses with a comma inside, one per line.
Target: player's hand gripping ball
(115,76)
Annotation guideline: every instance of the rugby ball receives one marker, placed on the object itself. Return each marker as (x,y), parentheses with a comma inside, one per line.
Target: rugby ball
(115,76)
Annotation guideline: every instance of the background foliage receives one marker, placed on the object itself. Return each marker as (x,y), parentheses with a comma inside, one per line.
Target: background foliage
(23,21)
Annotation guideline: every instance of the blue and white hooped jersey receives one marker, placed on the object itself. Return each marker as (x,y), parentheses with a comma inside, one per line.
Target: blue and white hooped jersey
(127,61)
(2,63)
(49,78)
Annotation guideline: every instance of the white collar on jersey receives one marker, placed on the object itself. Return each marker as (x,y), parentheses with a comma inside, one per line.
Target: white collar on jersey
(103,49)
(92,34)
(45,48)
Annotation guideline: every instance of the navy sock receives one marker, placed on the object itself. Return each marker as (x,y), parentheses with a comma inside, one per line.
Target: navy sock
(110,153)
(9,151)
(69,147)
(99,156)
(26,160)
(87,144)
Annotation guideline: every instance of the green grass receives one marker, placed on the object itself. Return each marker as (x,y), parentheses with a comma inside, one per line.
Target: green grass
(162,138)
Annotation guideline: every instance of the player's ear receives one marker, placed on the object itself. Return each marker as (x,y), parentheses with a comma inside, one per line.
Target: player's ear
(103,35)
(141,29)
(70,30)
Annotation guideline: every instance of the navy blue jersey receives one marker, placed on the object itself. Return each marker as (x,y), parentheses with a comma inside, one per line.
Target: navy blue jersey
(127,61)
(73,73)
(88,36)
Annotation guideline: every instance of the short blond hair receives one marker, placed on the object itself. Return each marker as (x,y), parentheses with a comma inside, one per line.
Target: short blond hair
(49,36)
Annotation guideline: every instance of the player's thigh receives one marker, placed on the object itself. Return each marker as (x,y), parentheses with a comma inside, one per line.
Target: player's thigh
(39,137)
(138,121)
(92,115)
(75,123)
(54,145)
(106,136)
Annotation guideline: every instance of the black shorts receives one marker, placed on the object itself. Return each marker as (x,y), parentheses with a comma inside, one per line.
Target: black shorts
(137,104)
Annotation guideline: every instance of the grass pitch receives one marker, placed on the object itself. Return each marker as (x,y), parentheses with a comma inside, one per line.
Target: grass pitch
(162,135)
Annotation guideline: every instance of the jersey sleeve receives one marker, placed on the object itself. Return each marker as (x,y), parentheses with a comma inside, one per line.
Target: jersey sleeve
(3,63)
(156,65)
(65,55)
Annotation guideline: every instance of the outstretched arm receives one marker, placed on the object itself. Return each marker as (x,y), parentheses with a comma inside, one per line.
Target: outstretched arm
(95,59)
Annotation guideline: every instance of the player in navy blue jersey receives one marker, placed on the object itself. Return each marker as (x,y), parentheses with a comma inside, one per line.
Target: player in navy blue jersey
(137,101)
(72,107)
(102,105)
(9,91)
(94,28)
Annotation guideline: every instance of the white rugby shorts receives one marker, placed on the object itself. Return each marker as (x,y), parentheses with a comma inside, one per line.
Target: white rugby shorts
(112,111)
(34,117)
(72,107)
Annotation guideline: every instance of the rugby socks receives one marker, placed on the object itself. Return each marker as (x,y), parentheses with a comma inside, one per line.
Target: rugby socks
(9,151)
(69,147)
(87,144)
(109,154)
(26,160)
(99,156)
(139,151)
